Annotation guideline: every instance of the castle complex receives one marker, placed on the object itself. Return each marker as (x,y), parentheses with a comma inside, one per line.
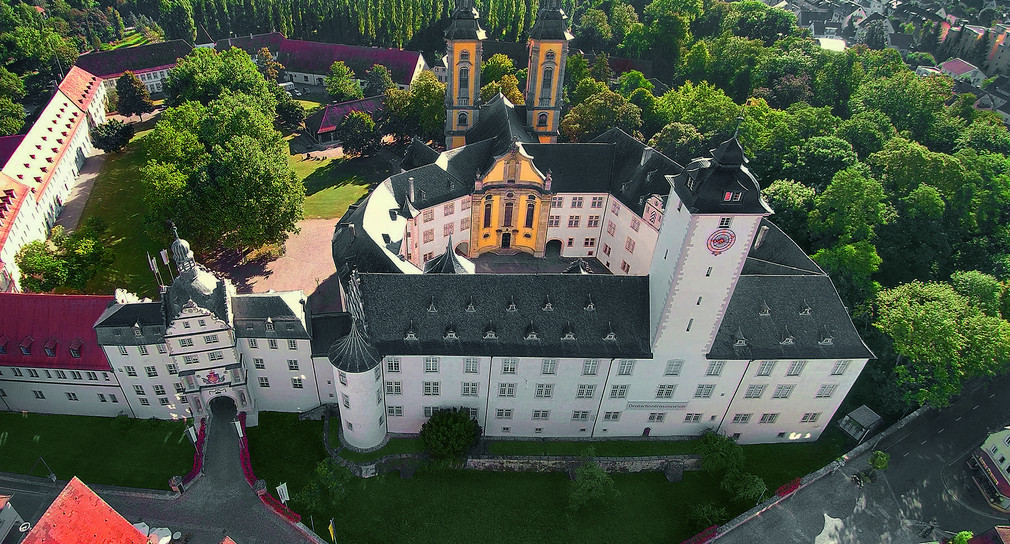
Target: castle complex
(684,308)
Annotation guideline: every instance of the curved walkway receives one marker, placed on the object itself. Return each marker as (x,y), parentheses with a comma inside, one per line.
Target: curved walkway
(217,504)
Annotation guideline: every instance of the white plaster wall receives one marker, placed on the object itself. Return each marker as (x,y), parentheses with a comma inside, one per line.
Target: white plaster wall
(281,395)
(19,396)
(451,375)
(175,408)
(437,225)
(361,417)
(640,259)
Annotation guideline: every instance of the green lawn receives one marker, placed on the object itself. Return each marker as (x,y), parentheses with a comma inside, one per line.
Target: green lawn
(130,39)
(394,446)
(331,185)
(310,105)
(98,450)
(116,199)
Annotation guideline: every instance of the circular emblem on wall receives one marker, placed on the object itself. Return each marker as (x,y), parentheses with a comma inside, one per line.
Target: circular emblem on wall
(720,241)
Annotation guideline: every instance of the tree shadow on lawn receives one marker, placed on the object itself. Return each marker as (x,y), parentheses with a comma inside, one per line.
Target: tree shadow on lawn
(361,171)
(235,265)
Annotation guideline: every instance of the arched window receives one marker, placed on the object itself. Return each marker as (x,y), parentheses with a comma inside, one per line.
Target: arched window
(530,210)
(548,81)
(462,119)
(464,55)
(487,214)
(542,120)
(507,222)
(464,82)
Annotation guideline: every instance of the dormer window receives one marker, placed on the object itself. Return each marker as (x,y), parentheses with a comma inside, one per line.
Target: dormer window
(490,333)
(548,307)
(270,325)
(50,347)
(26,346)
(568,336)
(512,305)
(590,307)
(805,310)
(826,338)
(532,335)
(431,307)
(610,337)
(765,310)
(410,334)
(787,339)
(450,333)
(137,331)
(470,307)
(732,196)
(75,348)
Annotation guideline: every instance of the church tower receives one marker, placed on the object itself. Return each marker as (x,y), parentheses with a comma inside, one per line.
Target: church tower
(463,61)
(548,45)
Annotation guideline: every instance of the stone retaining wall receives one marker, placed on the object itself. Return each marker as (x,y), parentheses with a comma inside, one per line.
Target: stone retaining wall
(565,463)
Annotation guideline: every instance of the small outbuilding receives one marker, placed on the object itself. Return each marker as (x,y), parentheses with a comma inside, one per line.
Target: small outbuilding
(860,422)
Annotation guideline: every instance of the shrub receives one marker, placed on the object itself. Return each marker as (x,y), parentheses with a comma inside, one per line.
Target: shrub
(879,460)
(719,454)
(743,486)
(592,487)
(787,488)
(706,514)
(450,433)
(112,135)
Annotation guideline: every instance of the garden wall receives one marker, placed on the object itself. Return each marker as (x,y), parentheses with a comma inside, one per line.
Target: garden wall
(673,464)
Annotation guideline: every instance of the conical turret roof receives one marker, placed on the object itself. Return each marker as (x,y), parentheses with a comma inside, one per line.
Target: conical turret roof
(353,353)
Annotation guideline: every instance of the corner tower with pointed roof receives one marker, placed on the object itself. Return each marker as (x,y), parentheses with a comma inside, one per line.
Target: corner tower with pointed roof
(463,55)
(548,47)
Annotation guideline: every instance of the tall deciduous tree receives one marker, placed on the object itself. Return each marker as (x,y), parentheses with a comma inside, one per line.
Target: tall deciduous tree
(204,75)
(792,202)
(177,20)
(378,80)
(598,113)
(65,260)
(358,134)
(112,135)
(340,83)
(507,85)
(12,116)
(267,64)
(497,66)
(850,209)
(132,96)
(450,433)
(818,159)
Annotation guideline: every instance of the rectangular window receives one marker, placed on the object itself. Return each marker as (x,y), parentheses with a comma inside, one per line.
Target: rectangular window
(101,398)
(210,339)
(635,224)
(741,418)
(557,201)
(469,389)
(72,396)
(508,366)
(394,388)
(393,364)
(754,391)
(145,402)
(39,394)
(253,343)
(431,389)
(152,372)
(606,249)
(292,344)
(704,391)
(626,367)
(840,367)
(378,396)
(272,342)
(665,391)
(139,389)
(162,348)
(292,364)
(611,228)
(765,368)
(215,356)
(611,416)
(503,413)
(122,349)
(163,401)
(597,202)
(190,359)
(377,375)
(428,215)
(573,221)
(810,417)
(795,368)
(544,391)
(428,236)
(448,208)
(593,221)
(585,391)
(473,412)
(549,366)
(580,415)
(826,390)
(296,383)
(471,365)
(692,417)
(113,399)
(63,375)
(673,367)
(576,201)
(179,388)
(783,391)
(394,411)
(769,418)
(553,220)
(342,377)
(345,400)
(258,363)
(629,244)
(464,224)
(32,373)
(429,411)
(143,350)
(172,369)
(589,367)
(589,242)
(715,368)
(264,382)
(618,391)
(725,222)
(183,343)
(506,390)
(75,375)
(571,242)
(447,229)
(625,267)
(159,389)
(431,364)
(541,415)
(130,371)
(657,417)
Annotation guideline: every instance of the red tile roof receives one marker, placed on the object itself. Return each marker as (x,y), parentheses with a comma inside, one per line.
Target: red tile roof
(112,64)
(12,196)
(79,516)
(7,146)
(956,67)
(34,320)
(80,86)
(997,535)
(330,117)
(4,499)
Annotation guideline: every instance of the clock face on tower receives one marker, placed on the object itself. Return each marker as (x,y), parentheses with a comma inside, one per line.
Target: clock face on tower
(720,241)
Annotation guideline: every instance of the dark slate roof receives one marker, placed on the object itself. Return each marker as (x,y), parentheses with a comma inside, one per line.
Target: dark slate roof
(432,185)
(900,40)
(502,121)
(395,304)
(800,301)
(352,248)
(464,23)
(418,154)
(353,353)
(518,52)
(252,311)
(575,168)
(551,22)
(253,42)
(446,263)
(704,182)
(327,329)
(329,118)
(112,64)
(200,287)
(639,170)
(120,318)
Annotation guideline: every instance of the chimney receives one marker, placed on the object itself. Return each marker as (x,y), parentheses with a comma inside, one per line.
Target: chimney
(410,189)
(761,235)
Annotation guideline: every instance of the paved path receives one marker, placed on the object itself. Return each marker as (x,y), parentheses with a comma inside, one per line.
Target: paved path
(306,263)
(74,206)
(927,484)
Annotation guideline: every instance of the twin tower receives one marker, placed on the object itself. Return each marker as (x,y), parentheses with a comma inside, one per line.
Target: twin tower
(548,48)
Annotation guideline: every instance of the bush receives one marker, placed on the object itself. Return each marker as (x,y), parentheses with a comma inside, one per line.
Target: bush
(326,488)
(112,135)
(592,487)
(706,514)
(450,433)
(719,454)
(879,460)
(743,486)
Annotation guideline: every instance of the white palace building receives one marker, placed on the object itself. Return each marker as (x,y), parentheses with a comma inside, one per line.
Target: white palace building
(685,308)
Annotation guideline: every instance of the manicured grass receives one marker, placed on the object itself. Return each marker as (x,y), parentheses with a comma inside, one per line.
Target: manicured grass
(612,448)
(310,105)
(98,450)
(394,446)
(284,449)
(777,464)
(131,39)
(331,185)
(116,199)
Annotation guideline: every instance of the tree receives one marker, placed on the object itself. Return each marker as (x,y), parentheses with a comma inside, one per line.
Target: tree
(584,89)
(326,488)
(12,116)
(912,103)
(681,142)
(753,19)
(984,136)
(622,18)
(818,159)
(879,460)
(792,202)
(427,105)
(357,133)
(449,433)
(982,290)
(962,538)
(11,85)
(706,514)
(497,66)
(593,31)
(867,131)
(851,208)
(697,61)
(177,21)
(508,86)
(133,98)
(204,75)
(42,270)
(65,260)
(599,113)
(851,267)
(743,486)
(600,70)
(341,84)
(920,58)
(592,487)
(632,80)
(267,64)
(719,454)
(290,114)
(378,80)
(576,70)
(876,36)
(941,339)
(112,135)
